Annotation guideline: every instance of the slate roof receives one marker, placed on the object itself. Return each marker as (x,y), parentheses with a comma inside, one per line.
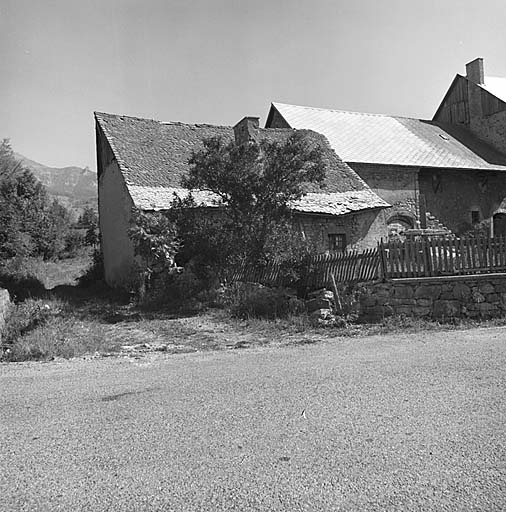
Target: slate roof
(390,140)
(153,157)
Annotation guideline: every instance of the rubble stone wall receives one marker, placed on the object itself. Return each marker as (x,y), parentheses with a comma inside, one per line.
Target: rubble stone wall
(490,128)
(478,296)
(476,190)
(396,184)
(362,230)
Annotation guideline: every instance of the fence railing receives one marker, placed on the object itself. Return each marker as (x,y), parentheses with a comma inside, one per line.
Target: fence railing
(270,275)
(424,257)
(350,267)
(427,257)
(317,273)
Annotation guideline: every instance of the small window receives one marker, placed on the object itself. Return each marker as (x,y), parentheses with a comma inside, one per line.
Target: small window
(475,216)
(337,242)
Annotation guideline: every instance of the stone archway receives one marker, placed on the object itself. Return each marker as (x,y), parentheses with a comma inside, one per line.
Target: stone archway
(397,224)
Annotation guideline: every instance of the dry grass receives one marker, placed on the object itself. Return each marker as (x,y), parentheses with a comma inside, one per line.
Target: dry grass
(100,325)
(70,321)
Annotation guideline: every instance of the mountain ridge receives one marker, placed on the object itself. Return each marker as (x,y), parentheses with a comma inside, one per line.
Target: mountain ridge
(74,187)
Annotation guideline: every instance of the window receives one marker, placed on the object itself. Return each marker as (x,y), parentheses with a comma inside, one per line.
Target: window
(337,242)
(475,216)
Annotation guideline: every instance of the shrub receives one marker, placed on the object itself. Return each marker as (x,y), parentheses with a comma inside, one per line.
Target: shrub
(21,319)
(181,290)
(19,276)
(74,243)
(255,183)
(95,271)
(248,300)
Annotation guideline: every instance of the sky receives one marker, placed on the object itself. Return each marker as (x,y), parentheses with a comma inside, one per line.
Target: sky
(216,61)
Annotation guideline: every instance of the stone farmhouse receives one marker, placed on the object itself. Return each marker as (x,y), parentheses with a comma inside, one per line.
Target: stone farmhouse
(448,171)
(141,162)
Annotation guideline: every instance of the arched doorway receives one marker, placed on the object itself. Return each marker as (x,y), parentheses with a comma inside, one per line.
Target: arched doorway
(398,224)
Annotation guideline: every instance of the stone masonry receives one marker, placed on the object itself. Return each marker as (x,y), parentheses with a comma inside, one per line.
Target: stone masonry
(478,296)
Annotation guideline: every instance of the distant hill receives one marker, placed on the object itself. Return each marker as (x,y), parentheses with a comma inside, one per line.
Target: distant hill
(74,187)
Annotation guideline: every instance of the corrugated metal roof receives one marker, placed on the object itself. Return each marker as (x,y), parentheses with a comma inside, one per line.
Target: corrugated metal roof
(389,140)
(153,157)
(495,85)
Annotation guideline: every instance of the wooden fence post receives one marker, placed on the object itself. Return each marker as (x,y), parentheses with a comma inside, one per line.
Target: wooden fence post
(381,251)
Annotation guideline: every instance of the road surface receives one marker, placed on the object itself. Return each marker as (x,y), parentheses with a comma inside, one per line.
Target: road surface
(397,422)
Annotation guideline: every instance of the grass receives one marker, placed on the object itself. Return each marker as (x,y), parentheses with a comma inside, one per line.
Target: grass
(59,319)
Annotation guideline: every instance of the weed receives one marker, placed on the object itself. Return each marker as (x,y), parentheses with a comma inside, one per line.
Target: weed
(247,300)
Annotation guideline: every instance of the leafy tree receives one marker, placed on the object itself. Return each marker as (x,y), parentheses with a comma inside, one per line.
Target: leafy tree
(8,163)
(155,243)
(91,236)
(206,246)
(256,182)
(30,223)
(89,220)
(88,217)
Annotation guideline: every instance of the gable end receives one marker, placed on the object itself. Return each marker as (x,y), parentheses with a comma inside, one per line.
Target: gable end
(275,119)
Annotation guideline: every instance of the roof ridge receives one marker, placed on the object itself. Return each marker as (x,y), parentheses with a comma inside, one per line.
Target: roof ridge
(350,112)
(199,125)
(179,123)
(125,115)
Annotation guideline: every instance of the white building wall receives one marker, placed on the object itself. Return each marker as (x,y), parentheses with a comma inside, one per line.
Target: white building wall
(115,208)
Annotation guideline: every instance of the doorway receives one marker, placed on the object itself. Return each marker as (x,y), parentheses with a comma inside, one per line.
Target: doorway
(499,221)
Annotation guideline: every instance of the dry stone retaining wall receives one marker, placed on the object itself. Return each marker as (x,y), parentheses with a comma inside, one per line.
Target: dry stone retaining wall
(479,296)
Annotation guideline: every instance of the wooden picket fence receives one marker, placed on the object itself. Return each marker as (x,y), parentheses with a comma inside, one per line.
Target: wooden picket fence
(270,275)
(347,267)
(423,257)
(427,257)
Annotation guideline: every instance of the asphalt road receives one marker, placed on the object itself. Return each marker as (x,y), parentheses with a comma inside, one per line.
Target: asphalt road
(414,422)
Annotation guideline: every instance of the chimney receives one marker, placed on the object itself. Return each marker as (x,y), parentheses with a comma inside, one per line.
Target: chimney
(474,71)
(245,129)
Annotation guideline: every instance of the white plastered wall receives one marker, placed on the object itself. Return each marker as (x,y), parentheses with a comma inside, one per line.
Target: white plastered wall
(115,206)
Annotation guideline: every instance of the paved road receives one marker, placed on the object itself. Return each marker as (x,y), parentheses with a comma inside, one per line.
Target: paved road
(413,422)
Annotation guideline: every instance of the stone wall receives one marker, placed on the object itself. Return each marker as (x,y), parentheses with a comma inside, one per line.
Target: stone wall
(479,296)
(464,106)
(490,128)
(363,229)
(397,185)
(451,195)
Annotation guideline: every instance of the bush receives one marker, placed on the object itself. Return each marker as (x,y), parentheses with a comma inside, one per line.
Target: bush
(95,271)
(21,319)
(31,224)
(19,276)
(74,243)
(179,290)
(248,300)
